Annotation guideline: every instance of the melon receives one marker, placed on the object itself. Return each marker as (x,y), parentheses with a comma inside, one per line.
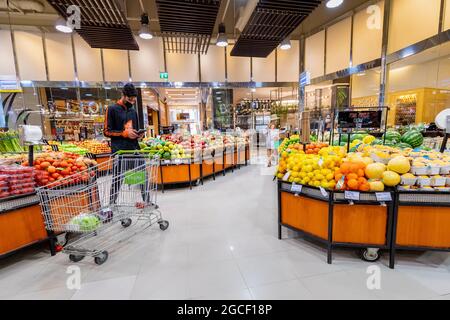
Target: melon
(399,164)
(392,136)
(375,170)
(391,178)
(376,186)
(413,137)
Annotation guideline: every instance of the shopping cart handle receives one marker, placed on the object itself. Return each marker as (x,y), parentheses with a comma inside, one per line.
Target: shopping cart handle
(120,152)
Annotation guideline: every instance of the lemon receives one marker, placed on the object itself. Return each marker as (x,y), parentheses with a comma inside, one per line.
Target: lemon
(325,185)
(310,175)
(302,175)
(280,176)
(294,174)
(308,168)
(319,176)
(297,180)
(330,176)
(306,180)
(317,184)
(316,172)
(295,168)
(332,184)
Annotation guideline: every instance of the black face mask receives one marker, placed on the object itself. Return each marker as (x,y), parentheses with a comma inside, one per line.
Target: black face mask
(128,104)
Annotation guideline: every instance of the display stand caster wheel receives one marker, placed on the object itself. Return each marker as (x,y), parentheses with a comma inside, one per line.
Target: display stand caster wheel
(163,225)
(370,254)
(75,258)
(101,258)
(126,222)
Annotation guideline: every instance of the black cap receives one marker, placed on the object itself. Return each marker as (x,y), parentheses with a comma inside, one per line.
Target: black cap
(129,90)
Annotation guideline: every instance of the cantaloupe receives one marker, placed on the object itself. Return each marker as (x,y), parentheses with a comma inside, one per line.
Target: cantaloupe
(375,170)
(399,165)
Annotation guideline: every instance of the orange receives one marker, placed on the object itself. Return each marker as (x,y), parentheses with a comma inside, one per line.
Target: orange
(353,184)
(338,176)
(345,167)
(364,187)
(51,169)
(362,180)
(361,173)
(352,176)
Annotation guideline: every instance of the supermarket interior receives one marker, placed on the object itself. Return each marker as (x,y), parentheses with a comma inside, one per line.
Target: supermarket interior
(225,150)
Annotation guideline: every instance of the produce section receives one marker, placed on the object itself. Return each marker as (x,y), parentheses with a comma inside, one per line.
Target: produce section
(334,196)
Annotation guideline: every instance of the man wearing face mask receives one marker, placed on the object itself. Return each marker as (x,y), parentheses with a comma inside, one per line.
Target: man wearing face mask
(121,122)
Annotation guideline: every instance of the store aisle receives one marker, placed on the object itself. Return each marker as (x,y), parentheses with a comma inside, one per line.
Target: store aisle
(222,244)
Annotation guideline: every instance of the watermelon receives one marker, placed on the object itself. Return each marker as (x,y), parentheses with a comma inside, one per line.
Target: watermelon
(389,143)
(403,145)
(344,138)
(413,137)
(377,142)
(392,136)
(343,144)
(357,136)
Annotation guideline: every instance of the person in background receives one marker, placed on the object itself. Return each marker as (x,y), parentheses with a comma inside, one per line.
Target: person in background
(272,139)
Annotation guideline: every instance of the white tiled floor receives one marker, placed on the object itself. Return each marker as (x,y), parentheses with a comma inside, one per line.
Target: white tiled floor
(222,244)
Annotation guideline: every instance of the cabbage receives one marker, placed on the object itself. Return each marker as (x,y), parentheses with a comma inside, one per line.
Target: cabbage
(86,222)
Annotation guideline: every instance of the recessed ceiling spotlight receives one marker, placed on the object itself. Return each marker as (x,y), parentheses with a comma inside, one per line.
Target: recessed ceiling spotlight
(334,3)
(61,26)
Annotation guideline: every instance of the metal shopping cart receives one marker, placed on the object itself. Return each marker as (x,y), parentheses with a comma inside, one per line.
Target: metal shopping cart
(104,205)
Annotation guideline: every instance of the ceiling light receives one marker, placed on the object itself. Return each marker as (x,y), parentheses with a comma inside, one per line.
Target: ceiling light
(286,44)
(222,40)
(334,3)
(61,25)
(144,32)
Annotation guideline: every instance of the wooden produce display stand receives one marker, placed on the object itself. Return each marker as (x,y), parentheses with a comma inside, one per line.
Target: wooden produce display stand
(193,171)
(333,220)
(21,224)
(421,222)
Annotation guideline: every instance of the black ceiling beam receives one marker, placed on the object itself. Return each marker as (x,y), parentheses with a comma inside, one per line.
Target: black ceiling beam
(270,23)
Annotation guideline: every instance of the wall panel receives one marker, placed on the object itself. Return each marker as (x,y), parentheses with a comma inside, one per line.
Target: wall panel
(289,63)
(338,46)
(368,34)
(116,65)
(264,68)
(88,61)
(59,57)
(412,21)
(30,55)
(314,54)
(238,67)
(148,61)
(7,68)
(213,65)
(182,67)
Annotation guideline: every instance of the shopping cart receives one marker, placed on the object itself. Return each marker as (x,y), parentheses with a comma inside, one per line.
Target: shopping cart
(104,205)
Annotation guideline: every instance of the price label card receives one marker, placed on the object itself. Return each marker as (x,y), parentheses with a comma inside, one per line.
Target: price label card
(177,161)
(320,162)
(323,192)
(296,188)
(352,195)
(383,196)
(286,176)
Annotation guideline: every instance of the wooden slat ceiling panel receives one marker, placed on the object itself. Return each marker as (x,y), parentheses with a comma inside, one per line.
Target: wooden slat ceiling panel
(270,23)
(187,25)
(103,23)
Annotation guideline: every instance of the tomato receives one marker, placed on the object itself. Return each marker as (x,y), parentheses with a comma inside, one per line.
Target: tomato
(37,167)
(55,175)
(25,163)
(45,165)
(51,179)
(63,164)
(74,168)
(51,169)
(44,181)
(56,164)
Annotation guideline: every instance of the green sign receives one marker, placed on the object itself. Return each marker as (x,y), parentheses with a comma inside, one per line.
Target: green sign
(163,75)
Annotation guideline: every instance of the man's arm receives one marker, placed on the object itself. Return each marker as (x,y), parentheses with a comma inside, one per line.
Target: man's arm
(109,130)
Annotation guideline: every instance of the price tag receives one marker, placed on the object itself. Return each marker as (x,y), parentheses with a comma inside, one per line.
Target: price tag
(383,196)
(177,161)
(320,162)
(296,188)
(352,195)
(323,192)
(286,176)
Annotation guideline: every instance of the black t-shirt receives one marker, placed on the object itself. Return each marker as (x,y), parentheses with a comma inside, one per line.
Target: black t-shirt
(118,118)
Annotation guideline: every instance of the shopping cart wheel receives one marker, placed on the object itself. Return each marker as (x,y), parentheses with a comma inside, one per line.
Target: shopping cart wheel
(370,254)
(126,222)
(163,224)
(101,259)
(75,258)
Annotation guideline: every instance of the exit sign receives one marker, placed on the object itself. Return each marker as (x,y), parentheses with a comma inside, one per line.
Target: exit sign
(163,75)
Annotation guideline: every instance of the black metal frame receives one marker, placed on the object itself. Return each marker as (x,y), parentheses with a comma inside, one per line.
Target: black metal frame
(329,243)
